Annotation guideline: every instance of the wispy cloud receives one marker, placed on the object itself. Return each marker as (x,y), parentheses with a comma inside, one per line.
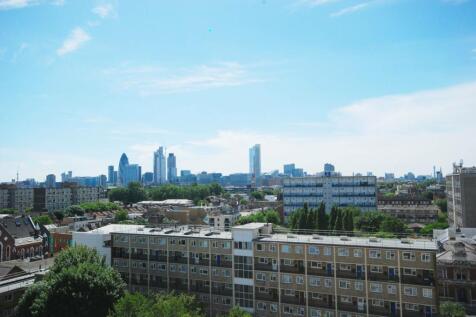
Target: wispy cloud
(15,4)
(103,10)
(151,79)
(315,3)
(74,41)
(352,9)
(390,133)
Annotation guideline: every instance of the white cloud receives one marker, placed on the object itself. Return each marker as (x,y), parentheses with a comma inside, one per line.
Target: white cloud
(15,4)
(351,9)
(151,80)
(396,133)
(75,40)
(103,10)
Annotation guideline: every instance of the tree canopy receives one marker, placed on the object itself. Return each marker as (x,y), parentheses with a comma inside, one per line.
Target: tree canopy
(269,215)
(130,195)
(43,220)
(450,309)
(194,192)
(78,284)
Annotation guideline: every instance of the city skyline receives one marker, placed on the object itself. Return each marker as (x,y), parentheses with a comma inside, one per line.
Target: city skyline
(312,81)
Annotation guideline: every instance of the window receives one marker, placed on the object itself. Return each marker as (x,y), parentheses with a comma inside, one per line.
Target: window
(343,252)
(315,313)
(410,291)
(315,281)
(357,253)
(376,269)
(377,302)
(286,278)
(226,245)
(316,296)
(425,257)
(260,276)
(273,308)
(344,284)
(299,279)
(272,248)
(427,292)
(285,248)
(376,288)
(409,271)
(345,267)
(263,260)
(313,250)
(408,256)
(346,299)
(390,255)
(204,272)
(259,247)
(287,262)
(273,278)
(243,266)
(327,251)
(289,292)
(374,254)
(287,310)
(261,306)
(316,265)
(298,249)
(244,295)
(300,311)
(242,245)
(359,285)
(392,289)
(411,306)
(328,282)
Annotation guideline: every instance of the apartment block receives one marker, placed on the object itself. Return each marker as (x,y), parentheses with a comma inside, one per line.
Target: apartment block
(409,209)
(461,196)
(358,191)
(270,274)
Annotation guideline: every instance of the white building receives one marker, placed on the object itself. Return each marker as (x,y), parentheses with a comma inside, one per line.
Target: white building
(342,191)
(255,163)
(159,166)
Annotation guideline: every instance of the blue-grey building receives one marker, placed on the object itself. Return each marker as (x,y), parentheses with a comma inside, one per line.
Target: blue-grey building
(172,168)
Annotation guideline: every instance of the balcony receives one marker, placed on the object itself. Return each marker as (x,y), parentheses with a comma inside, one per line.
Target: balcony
(272,296)
(178,259)
(380,311)
(222,291)
(354,308)
(319,303)
(297,299)
(418,280)
(266,267)
(297,268)
(383,277)
(158,258)
(226,264)
(320,272)
(137,256)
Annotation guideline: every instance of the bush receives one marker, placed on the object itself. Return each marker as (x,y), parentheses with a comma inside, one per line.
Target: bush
(43,220)
(269,216)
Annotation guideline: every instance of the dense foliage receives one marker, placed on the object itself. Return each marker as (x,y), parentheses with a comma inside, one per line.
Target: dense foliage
(43,220)
(450,309)
(99,206)
(195,192)
(120,216)
(74,210)
(339,219)
(375,221)
(441,223)
(130,195)
(269,215)
(442,204)
(7,211)
(78,284)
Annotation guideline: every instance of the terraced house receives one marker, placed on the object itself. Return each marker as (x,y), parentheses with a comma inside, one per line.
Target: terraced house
(272,274)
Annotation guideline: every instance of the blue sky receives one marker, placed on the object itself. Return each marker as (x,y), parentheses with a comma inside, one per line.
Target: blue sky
(370,85)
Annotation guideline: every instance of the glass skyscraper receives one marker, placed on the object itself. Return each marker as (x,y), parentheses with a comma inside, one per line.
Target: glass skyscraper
(255,163)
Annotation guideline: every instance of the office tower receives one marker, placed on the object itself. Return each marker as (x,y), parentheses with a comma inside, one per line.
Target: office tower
(272,274)
(172,168)
(329,169)
(288,169)
(132,173)
(255,164)
(461,196)
(159,166)
(123,163)
(110,175)
(148,178)
(358,191)
(50,180)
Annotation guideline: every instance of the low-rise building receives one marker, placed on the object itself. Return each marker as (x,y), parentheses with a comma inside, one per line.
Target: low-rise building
(456,267)
(409,209)
(272,274)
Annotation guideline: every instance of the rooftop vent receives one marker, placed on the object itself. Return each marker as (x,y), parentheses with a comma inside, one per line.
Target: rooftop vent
(406,241)
(291,236)
(316,237)
(168,231)
(208,234)
(140,229)
(373,239)
(344,238)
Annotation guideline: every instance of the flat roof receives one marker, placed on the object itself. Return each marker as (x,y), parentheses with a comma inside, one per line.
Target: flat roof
(417,244)
(251,225)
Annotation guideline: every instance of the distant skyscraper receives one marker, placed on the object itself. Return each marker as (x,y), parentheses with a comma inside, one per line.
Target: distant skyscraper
(171,168)
(110,175)
(461,196)
(255,163)
(328,169)
(50,180)
(148,178)
(159,166)
(132,173)
(123,164)
(289,169)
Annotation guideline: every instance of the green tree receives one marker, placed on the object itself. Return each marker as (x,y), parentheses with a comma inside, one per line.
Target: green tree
(120,216)
(303,219)
(370,221)
(135,193)
(119,194)
(74,210)
(322,218)
(78,284)
(339,224)
(258,195)
(59,215)
(333,218)
(348,220)
(133,305)
(238,312)
(7,211)
(451,309)
(442,204)
(43,220)
(393,225)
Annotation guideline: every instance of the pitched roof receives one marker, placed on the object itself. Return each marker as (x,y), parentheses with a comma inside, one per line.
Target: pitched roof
(19,227)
